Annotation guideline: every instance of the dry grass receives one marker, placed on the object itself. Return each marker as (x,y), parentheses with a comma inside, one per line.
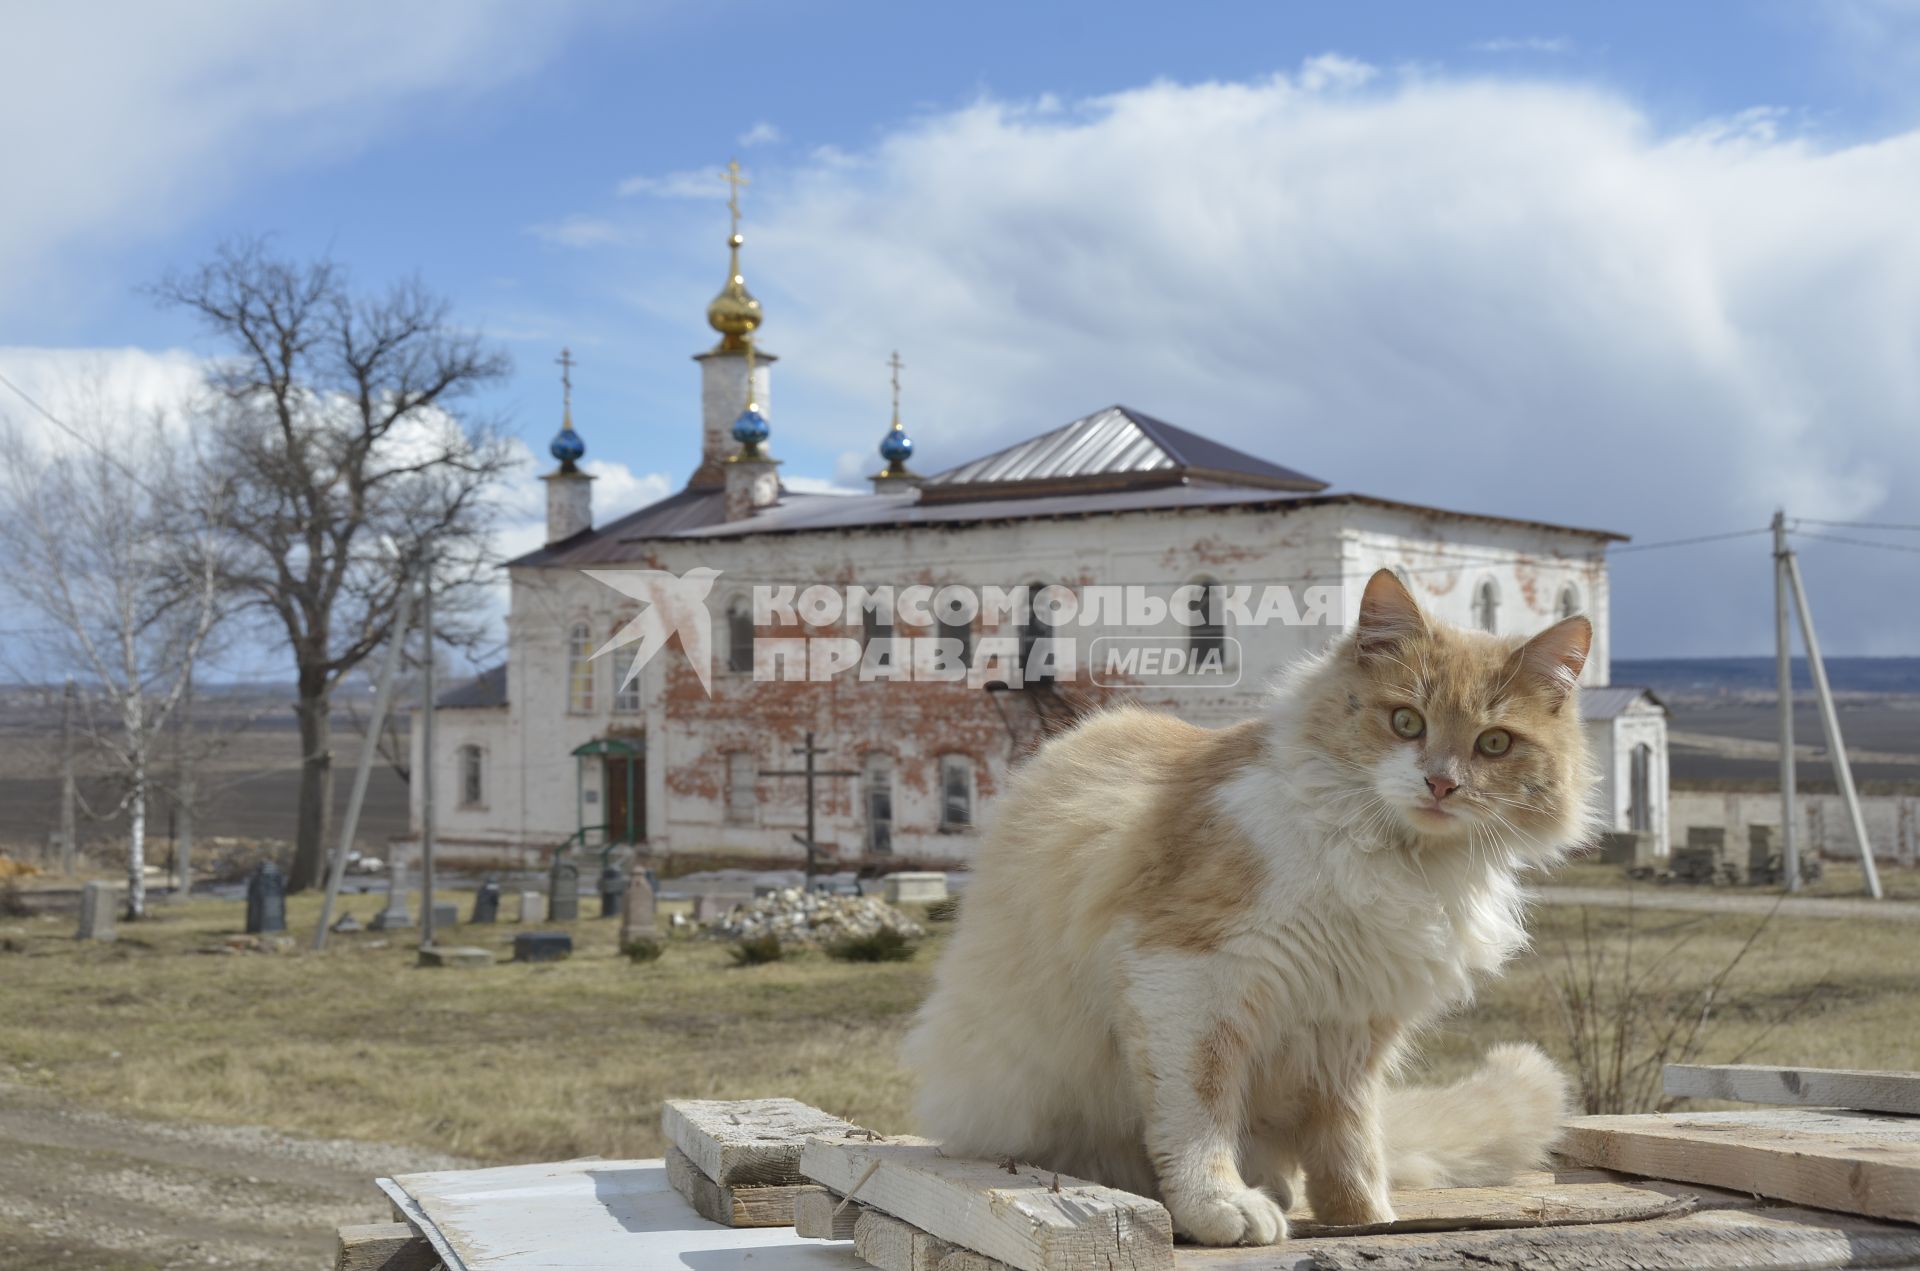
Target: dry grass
(1841,879)
(547,1062)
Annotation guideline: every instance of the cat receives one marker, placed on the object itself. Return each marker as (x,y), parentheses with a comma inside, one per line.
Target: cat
(1189,960)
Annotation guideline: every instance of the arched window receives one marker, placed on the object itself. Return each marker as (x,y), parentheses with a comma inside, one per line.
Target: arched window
(626,692)
(1486,606)
(743,793)
(876,623)
(1640,789)
(739,634)
(956,792)
(1207,638)
(1033,629)
(953,622)
(877,783)
(1569,603)
(473,776)
(580,667)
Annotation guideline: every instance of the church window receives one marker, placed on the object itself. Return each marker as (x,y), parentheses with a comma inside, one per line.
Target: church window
(626,693)
(473,776)
(1569,602)
(876,623)
(739,634)
(878,792)
(1033,629)
(956,792)
(1640,789)
(580,667)
(743,797)
(1207,638)
(1486,606)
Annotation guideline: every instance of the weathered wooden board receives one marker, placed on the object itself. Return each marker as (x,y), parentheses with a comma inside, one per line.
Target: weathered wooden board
(892,1245)
(819,1215)
(1856,1088)
(1021,1216)
(748,1142)
(383,1246)
(1778,1239)
(1541,1204)
(1852,1162)
(733,1206)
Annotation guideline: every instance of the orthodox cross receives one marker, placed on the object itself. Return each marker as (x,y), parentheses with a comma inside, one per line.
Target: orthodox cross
(734,181)
(812,774)
(566,363)
(897,366)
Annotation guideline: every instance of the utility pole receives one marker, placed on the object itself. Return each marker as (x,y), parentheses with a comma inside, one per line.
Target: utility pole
(382,691)
(811,774)
(1836,745)
(1783,655)
(69,850)
(426,752)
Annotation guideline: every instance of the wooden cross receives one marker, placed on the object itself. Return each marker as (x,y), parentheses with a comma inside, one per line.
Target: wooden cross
(734,181)
(897,366)
(566,364)
(811,774)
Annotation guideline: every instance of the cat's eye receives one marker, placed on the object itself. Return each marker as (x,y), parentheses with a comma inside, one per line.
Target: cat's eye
(1408,723)
(1495,741)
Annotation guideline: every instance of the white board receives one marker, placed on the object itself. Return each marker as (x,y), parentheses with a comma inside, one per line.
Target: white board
(594,1216)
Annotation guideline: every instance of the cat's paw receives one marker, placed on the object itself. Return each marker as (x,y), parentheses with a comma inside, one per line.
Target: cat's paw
(1242,1216)
(1349,1207)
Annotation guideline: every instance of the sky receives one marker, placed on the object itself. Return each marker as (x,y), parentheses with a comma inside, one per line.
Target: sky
(1653,268)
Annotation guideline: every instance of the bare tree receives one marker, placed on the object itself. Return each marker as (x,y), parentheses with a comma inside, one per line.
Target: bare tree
(341,450)
(97,523)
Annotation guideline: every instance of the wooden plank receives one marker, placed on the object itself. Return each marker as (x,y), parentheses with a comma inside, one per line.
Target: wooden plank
(733,1206)
(1852,1162)
(892,1245)
(819,1215)
(1856,1088)
(1018,1215)
(1776,1239)
(748,1142)
(383,1246)
(1543,1204)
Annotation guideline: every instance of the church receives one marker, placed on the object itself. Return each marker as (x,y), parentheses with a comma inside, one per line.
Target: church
(896,641)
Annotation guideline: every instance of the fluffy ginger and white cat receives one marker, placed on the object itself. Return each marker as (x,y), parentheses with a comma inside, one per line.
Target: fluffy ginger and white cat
(1189,960)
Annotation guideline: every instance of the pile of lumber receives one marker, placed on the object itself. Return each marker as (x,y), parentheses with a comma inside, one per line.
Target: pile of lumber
(737,1161)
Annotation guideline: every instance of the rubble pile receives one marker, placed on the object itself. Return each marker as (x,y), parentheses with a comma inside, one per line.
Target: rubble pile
(813,918)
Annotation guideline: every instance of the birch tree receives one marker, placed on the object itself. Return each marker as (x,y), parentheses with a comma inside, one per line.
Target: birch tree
(116,551)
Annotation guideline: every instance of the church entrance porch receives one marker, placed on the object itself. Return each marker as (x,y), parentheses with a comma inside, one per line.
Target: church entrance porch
(617,811)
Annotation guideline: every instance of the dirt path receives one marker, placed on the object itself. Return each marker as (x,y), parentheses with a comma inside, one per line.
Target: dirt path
(84,1189)
(1707,900)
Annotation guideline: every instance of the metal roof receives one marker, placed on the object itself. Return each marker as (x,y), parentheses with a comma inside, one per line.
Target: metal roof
(487,689)
(1119,447)
(1610,701)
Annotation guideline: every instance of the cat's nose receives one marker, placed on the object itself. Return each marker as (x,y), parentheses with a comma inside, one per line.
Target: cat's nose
(1441,787)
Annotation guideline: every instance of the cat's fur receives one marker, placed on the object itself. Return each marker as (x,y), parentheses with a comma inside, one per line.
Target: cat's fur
(1189,959)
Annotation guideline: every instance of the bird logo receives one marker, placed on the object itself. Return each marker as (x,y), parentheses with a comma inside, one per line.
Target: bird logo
(671,604)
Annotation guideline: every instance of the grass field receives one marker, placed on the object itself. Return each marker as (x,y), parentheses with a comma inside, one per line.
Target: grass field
(519,1062)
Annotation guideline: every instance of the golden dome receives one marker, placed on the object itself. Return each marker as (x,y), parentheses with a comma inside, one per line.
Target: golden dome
(734,313)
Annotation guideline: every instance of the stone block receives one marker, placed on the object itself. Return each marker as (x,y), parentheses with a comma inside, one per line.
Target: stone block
(98,904)
(542,946)
(912,888)
(455,955)
(533,907)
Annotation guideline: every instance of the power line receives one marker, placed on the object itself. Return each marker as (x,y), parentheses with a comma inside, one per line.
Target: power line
(1855,542)
(1688,542)
(1856,525)
(79,436)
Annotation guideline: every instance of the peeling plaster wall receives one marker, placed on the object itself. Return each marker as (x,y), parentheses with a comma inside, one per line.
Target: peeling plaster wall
(689,734)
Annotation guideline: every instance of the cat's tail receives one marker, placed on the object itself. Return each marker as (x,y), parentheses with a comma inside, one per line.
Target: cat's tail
(1479,1132)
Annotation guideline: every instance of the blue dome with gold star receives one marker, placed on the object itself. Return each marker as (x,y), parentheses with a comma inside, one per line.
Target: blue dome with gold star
(567,446)
(896,446)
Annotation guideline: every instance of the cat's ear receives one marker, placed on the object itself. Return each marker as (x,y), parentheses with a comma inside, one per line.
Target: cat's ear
(1551,662)
(1389,616)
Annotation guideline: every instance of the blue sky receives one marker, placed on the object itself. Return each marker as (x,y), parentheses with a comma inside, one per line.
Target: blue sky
(1645,266)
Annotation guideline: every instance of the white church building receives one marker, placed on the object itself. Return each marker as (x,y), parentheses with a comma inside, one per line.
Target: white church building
(1102,510)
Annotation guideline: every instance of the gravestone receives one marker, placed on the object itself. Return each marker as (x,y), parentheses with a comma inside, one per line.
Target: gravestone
(1763,864)
(542,946)
(613,885)
(446,914)
(914,888)
(454,955)
(346,924)
(638,917)
(486,902)
(1631,849)
(709,908)
(563,892)
(97,903)
(266,899)
(533,907)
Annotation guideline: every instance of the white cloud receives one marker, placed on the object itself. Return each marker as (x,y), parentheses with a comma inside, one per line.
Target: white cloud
(1524,44)
(691,183)
(129,133)
(1508,296)
(579,231)
(83,387)
(762,134)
